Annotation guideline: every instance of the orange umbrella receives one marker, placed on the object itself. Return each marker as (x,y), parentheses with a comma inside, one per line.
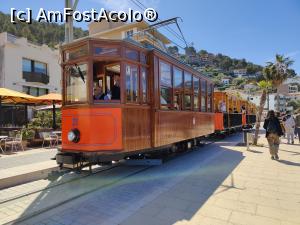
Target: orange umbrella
(51,98)
(14,97)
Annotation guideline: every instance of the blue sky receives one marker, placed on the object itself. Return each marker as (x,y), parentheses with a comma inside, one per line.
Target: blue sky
(252,29)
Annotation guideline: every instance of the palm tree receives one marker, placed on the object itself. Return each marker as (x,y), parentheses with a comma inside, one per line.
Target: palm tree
(264,86)
(278,72)
(275,74)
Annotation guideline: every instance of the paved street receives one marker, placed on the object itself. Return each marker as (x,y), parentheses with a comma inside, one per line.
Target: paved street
(219,184)
(21,158)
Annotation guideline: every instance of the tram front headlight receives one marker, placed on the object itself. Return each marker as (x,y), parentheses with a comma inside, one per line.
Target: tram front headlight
(74,135)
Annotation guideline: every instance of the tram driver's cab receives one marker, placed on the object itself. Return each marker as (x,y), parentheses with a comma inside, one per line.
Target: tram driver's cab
(106,81)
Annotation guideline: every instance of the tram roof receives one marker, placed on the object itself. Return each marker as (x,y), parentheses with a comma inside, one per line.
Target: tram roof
(133,42)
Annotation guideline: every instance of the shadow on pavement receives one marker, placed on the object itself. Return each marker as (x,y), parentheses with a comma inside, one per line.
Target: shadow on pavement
(254,151)
(288,162)
(164,194)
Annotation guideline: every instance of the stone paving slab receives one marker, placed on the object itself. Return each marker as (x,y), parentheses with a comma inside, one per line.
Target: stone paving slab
(221,184)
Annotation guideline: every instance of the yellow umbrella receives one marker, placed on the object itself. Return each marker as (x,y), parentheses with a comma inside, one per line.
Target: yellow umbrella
(51,98)
(11,96)
(14,97)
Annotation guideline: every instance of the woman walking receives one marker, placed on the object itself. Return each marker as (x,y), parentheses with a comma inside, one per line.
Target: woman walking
(273,132)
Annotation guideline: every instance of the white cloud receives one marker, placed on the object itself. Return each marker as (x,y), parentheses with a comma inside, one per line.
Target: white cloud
(125,4)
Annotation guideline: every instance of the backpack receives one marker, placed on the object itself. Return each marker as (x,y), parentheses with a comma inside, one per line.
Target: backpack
(272,128)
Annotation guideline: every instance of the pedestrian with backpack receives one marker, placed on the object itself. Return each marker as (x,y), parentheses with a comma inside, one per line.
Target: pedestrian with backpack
(273,132)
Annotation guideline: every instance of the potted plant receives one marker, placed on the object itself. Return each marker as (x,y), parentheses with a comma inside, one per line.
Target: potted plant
(27,136)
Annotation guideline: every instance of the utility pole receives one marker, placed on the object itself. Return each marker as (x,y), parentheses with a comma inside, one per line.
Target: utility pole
(72,4)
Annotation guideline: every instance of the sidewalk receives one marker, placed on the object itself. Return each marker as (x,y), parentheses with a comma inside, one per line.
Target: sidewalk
(221,184)
(25,166)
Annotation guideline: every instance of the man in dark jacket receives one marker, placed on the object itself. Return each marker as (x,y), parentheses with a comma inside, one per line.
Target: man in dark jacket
(273,132)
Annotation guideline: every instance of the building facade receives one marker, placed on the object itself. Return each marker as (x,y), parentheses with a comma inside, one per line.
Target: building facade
(27,67)
(272,102)
(137,31)
(291,85)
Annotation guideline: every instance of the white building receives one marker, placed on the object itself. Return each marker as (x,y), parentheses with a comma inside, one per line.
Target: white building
(272,102)
(226,80)
(27,67)
(240,72)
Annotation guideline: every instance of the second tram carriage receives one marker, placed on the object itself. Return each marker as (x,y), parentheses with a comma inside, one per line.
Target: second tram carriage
(122,99)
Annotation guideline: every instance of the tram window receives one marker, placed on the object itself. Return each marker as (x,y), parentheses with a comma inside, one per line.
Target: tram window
(143,58)
(144,77)
(187,101)
(106,81)
(203,96)
(178,78)
(209,98)
(187,91)
(99,51)
(131,83)
(196,93)
(132,54)
(178,88)
(76,53)
(165,96)
(76,89)
(165,84)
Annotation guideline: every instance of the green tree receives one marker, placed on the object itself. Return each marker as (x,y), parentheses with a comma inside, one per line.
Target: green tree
(294,103)
(264,85)
(278,72)
(239,82)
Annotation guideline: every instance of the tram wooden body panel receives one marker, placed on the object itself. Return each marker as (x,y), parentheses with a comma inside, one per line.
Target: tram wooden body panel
(172,126)
(136,128)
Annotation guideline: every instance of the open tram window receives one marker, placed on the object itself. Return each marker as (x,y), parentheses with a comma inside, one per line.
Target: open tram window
(106,81)
(187,91)
(178,88)
(76,89)
(132,83)
(165,85)
(203,96)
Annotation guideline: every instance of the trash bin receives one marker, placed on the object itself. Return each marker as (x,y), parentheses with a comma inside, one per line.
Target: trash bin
(245,136)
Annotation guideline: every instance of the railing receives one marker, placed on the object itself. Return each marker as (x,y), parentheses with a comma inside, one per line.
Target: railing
(145,35)
(36,77)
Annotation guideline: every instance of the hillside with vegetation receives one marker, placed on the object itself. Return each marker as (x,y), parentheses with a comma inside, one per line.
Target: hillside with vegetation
(219,67)
(40,33)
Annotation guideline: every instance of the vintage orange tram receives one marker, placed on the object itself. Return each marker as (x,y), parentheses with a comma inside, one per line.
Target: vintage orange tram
(233,112)
(120,99)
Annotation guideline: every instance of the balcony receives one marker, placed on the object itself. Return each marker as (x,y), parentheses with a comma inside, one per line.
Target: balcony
(36,77)
(146,37)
